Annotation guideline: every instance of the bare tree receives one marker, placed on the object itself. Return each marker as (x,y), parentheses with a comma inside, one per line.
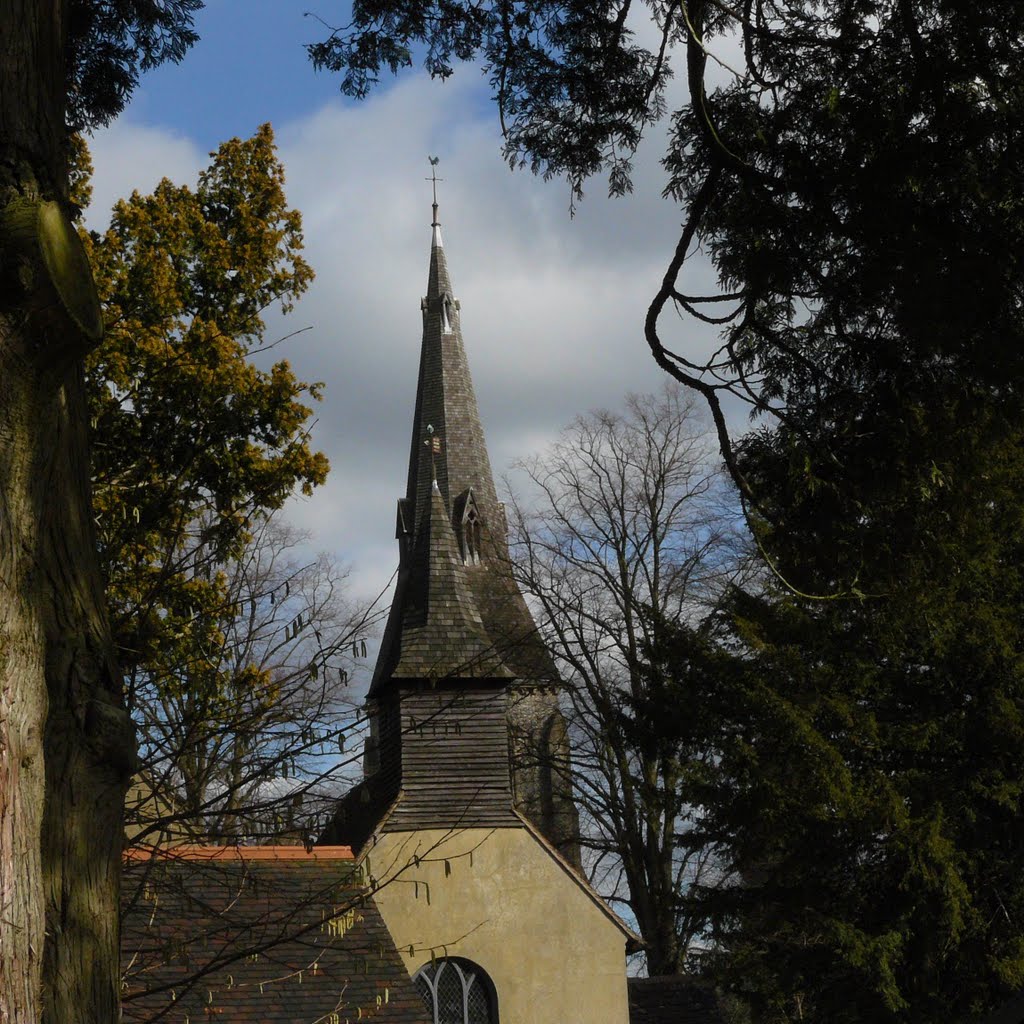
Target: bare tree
(242,721)
(631,525)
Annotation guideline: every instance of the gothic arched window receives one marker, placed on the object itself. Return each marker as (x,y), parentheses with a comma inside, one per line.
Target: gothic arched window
(466,519)
(457,991)
(471,536)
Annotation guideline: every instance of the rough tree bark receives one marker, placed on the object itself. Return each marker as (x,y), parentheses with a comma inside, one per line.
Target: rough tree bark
(66,744)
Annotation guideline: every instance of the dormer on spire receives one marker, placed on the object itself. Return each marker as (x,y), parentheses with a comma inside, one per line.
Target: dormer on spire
(440,633)
(466,519)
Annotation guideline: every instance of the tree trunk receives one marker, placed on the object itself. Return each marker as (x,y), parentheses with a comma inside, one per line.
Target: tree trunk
(66,744)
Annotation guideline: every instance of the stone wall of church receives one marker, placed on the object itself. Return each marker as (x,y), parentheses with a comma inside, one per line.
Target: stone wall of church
(499,898)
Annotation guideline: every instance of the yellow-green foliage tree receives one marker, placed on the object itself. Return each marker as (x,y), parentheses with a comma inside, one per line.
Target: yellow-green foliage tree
(191,439)
(194,449)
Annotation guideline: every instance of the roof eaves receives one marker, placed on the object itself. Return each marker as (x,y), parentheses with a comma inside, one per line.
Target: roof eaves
(240,853)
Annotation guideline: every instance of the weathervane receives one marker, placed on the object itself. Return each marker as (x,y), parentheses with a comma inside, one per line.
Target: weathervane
(434,179)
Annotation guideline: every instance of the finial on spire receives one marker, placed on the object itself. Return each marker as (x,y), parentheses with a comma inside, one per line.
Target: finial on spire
(434,179)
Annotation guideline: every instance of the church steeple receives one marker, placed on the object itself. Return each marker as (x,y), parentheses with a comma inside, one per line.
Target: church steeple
(466,728)
(448,439)
(450,517)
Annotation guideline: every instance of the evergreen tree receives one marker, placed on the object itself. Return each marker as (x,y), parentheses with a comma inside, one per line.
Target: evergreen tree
(856,183)
(234,653)
(871,783)
(193,443)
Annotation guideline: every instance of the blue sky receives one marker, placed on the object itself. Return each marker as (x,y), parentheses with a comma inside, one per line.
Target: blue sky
(552,308)
(249,66)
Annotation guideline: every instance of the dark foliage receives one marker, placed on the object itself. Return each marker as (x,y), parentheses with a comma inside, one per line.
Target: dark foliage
(111,42)
(872,785)
(854,176)
(574,91)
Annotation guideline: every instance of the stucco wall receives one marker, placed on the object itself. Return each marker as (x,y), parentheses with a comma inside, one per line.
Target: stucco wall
(498,898)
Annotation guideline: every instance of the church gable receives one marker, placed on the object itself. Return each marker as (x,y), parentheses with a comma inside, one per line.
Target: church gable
(505,901)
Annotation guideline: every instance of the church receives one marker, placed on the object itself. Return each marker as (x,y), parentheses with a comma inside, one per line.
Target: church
(453,867)
(466,798)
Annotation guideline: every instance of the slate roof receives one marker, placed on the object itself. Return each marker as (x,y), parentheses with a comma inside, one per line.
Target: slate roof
(673,999)
(258,935)
(442,635)
(450,619)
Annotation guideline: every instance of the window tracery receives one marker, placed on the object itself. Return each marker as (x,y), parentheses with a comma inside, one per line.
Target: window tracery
(457,991)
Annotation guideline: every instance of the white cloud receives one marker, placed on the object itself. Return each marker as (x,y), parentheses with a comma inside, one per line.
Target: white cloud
(552,309)
(129,156)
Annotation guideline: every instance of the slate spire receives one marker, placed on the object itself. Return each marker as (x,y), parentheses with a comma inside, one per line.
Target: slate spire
(447,437)
(435,626)
(466,722)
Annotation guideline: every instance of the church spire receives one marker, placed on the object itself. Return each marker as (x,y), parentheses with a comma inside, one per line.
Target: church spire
(448,440)
(468,726)
(450,509)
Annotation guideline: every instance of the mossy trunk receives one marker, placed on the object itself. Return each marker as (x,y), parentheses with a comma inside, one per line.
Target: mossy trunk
(66,745)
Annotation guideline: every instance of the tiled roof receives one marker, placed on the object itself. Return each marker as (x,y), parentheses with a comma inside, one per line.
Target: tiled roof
(673,999)
(258,935)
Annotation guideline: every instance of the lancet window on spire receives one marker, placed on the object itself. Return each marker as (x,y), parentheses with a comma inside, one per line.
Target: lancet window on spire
(469,527)
(471,532)
(449,309)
